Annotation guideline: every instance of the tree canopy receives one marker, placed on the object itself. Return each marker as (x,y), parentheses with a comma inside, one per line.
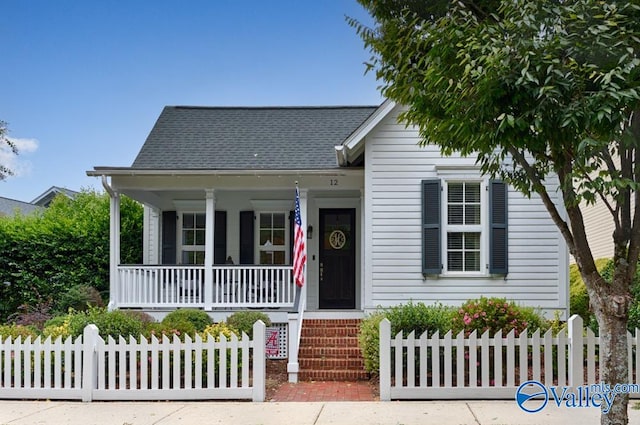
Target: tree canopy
(6,144)
(544,94)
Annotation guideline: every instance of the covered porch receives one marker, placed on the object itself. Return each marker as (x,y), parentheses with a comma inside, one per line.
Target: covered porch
(230,246)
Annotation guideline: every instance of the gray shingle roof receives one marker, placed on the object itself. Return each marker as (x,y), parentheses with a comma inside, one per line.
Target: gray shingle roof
(235,138)
(46,197)
(11,206)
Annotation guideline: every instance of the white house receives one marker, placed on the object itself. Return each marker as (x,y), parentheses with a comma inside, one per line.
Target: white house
(386,221)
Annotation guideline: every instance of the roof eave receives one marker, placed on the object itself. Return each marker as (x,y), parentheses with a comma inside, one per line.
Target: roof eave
(353,145)
(128,171)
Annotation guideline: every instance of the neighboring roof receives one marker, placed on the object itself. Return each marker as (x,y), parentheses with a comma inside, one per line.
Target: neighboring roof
(47,196)
(254,138)
(11,206)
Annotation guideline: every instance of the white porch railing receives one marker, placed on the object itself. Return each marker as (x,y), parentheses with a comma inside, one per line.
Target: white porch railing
(251,286)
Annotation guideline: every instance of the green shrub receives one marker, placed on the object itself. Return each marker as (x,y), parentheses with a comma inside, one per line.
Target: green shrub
(494,314)
(46,253)
(420,318)
(57,320)
(178,319)
(578,297)
(579,300)
(634,316)
(369,341)
(79,298)
(406,318)
(110,323)
(243,321)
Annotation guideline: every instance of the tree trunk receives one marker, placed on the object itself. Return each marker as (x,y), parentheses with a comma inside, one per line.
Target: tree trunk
(611,311)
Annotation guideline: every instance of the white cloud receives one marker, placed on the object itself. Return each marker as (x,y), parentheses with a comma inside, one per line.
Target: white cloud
(17,163)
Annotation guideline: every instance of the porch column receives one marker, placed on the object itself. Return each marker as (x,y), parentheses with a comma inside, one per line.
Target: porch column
(365,296)
(114,249)
(210,216)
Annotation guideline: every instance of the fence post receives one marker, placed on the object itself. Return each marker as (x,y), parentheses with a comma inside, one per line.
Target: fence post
(259,360)
(89,365)
(576,354)
(293,367)
(385,360)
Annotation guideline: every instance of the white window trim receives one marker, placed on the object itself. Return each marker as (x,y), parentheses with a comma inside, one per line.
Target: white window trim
(259,248)
(179,241)
(483,228)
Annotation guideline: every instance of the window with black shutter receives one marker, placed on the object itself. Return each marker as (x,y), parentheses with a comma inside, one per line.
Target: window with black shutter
(464,230)
(246,237)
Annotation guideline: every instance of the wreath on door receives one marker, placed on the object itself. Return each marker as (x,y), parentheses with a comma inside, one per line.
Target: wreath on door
(337,239)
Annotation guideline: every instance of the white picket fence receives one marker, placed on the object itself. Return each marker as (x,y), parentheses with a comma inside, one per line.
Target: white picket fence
(491,367)
(89,368)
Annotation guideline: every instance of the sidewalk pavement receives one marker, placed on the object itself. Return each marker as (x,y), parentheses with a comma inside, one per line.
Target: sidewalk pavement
(276,413)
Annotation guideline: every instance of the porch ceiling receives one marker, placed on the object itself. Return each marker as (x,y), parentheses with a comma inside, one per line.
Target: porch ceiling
(161,190)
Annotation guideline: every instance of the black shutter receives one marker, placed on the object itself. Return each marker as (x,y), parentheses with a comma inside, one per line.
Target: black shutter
(220,238)
(431,252)
(498,236)
(246,237)
(169,224)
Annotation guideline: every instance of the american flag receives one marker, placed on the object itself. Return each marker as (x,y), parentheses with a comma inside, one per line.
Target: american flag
(299,250)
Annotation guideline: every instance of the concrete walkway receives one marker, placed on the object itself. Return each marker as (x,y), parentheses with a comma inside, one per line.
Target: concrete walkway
(274,413)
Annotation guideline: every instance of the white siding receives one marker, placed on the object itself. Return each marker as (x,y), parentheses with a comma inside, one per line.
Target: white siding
(395,167)
(598,223)
(151,235)
(599,226)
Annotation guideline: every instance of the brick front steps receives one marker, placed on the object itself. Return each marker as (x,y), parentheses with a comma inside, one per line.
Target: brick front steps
(329,351)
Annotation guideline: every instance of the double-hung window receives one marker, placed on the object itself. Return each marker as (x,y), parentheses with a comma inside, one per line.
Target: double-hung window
(272,238)
(193,238)
(464,227)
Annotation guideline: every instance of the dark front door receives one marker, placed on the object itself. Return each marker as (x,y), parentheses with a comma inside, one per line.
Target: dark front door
(337,258)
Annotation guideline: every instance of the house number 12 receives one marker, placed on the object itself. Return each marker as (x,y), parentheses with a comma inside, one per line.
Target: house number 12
(333,182)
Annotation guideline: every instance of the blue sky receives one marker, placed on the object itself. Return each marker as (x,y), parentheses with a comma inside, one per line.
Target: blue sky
(82,82)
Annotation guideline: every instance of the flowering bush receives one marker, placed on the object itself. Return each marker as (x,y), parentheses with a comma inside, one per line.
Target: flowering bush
(14,331)
(58,327)
(493,314)
(218,329)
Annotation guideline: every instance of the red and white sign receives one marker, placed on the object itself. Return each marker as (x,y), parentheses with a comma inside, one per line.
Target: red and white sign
(272,345)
